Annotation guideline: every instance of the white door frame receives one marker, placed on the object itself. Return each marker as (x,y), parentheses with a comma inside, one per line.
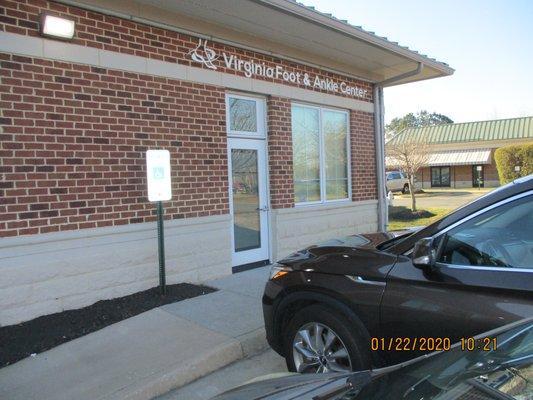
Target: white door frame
(252,141)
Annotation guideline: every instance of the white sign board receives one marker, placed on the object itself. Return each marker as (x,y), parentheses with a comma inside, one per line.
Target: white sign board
(158,174)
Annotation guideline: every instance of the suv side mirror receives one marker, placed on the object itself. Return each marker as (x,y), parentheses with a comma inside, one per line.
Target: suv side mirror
(424,255)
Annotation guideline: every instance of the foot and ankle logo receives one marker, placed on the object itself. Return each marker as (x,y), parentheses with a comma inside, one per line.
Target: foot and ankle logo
(206,56)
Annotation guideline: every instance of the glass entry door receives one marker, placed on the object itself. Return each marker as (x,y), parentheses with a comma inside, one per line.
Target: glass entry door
(249,200)
(477,176)
(440,176)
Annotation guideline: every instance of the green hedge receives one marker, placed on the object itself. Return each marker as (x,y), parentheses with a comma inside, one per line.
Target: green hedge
(509,156)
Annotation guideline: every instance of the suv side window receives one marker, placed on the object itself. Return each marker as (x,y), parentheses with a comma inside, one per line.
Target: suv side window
(501,237)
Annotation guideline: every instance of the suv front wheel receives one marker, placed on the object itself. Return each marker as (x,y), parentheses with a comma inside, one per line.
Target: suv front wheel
(405,188)
(318,340)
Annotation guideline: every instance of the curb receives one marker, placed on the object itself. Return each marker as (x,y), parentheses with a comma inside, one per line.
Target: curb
(253,342)
(242,346)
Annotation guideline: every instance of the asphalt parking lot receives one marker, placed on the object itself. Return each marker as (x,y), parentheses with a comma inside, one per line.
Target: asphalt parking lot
(236,374)
(449,198)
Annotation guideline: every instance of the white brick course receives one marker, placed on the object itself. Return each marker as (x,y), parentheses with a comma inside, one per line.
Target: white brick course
(296,228)
(58,271)
(53,272)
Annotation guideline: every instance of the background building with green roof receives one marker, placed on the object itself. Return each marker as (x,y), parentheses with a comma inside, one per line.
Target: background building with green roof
(462,154)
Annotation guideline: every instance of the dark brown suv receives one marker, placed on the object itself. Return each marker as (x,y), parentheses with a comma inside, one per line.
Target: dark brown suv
(368,300)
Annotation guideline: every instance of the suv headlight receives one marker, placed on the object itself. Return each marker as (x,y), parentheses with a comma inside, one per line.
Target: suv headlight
(279,270)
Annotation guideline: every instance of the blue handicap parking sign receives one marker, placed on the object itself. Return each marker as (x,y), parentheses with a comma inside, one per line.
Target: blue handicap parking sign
(159,172)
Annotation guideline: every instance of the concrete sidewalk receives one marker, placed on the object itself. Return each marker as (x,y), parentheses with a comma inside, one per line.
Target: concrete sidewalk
(151,353)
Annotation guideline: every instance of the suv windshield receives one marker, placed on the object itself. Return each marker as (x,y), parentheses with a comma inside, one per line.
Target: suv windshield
(505,373)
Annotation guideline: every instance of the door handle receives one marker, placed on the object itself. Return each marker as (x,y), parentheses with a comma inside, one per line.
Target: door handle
(265,208)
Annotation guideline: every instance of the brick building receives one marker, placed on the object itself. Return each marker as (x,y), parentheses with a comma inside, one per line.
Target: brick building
(271,111)
(462,155)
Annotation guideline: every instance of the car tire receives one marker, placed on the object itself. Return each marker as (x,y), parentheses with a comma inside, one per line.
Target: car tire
(358,355)
(405,188)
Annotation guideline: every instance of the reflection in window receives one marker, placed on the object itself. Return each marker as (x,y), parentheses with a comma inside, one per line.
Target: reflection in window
(505,373)
(336,154)
(440,176)
(242,115)
(320,154)
(501,237)
(246,228)
(306,154)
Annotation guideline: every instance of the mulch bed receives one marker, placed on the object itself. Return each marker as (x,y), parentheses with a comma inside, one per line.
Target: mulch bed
(401,213)
(42,333)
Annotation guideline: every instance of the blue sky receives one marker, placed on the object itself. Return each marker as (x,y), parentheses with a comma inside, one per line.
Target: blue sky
(488,43)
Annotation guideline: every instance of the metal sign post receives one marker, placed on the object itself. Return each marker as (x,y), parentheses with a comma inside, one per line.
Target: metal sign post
(161,248)
(159,190)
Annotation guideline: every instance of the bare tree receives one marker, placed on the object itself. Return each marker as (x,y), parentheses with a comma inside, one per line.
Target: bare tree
(408,155)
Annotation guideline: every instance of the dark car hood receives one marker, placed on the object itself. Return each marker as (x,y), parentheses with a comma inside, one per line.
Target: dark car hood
(342,255)
(292,385)
(295,386)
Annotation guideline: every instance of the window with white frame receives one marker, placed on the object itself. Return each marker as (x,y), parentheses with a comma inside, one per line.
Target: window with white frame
(245,116)
(320,154)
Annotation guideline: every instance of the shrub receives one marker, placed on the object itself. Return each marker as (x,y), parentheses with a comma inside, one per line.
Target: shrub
(510,156)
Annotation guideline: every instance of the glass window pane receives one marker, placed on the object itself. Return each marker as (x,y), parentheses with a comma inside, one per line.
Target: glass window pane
(501,237)
(242,115)
(336,189)
(445,176)
(477,176)
(308,190)
(335,131)
(245,191)
(306,154)
(435,176)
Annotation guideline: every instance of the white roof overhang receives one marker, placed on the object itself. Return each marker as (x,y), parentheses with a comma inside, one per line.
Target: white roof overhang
(451,157)
(460,157)
(284,28)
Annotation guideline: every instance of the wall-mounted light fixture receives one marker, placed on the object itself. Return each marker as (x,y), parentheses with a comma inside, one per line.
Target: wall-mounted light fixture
(57,27)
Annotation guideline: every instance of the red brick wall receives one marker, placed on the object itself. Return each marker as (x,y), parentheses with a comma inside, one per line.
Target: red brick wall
(280,152)
(124,36)
(490,171)
(363,156)
(73,139)
(465,173)
(461,173)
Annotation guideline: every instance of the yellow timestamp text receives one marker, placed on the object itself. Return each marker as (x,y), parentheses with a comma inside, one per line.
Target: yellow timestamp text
(484,344)
(410,344)
(431,344)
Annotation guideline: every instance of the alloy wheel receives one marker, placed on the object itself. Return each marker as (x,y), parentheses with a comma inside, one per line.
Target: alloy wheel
(318,349)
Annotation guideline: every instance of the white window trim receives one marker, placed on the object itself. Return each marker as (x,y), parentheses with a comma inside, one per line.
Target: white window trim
(322,175)
(260,105)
